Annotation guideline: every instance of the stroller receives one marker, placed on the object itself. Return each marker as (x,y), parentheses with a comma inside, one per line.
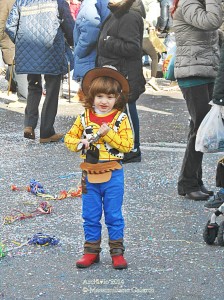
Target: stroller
(212,229)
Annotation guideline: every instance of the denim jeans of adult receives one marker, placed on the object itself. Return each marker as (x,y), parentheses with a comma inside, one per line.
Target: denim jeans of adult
(197,99)
(50,105)
(131,111)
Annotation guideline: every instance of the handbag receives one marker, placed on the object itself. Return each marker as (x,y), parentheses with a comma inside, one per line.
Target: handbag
(168,64)
(210,134)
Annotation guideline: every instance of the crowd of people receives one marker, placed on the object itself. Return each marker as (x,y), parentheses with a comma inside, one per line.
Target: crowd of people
(104,41)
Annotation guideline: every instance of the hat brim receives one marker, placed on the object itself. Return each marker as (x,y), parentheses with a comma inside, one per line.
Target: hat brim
(104,72)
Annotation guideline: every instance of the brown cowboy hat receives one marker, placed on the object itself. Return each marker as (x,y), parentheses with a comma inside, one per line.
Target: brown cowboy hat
(105,71)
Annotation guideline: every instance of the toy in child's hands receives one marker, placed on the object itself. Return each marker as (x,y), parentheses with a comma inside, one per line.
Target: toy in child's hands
(92,139)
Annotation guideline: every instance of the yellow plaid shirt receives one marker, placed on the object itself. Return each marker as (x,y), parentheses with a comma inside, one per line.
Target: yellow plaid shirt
(119,138)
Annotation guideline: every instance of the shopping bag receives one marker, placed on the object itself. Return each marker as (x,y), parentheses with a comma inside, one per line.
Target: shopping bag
(210,134)
(168,64)
(169,41)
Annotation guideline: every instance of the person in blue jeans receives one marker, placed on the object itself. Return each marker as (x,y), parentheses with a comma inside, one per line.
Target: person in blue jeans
(104,134)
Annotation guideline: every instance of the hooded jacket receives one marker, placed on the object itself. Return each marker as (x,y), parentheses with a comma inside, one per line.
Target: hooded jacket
(91,15)
(41,30)
(120,43)
(196,26)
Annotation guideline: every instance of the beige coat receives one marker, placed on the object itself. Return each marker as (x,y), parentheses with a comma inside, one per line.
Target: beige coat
(8,48)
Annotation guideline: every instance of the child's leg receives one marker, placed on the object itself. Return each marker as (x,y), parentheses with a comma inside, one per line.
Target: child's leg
(113,192)
(92,213)
(113,199)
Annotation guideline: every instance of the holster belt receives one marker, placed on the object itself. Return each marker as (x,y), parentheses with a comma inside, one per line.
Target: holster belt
(100,172)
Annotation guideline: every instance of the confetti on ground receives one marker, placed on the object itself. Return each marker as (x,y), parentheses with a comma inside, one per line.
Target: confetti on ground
(43,209)
(37,189)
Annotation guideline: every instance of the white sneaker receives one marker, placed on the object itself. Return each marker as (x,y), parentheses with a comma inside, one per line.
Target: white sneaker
(154,85)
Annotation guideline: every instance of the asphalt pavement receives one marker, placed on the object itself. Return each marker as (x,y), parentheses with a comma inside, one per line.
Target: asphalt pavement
(167,256)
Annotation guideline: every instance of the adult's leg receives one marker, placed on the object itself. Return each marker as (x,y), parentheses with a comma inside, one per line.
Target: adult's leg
(149,49)
(50,105)
(33,100)
(22,86)
(131,111)
(10,73)
(2,64)
(197,99)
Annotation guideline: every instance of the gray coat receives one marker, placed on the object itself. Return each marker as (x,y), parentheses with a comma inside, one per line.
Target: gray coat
(196,30)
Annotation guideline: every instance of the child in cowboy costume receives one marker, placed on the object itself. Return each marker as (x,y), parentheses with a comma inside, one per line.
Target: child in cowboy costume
(103,133)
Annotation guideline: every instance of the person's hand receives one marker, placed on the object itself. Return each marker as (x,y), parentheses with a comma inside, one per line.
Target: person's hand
(84,144)
(104,128)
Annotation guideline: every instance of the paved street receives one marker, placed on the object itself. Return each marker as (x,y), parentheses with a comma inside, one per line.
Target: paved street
(167,256)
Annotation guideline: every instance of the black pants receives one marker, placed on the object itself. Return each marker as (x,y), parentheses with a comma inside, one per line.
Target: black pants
(197,99)
(131,111)
(50,106)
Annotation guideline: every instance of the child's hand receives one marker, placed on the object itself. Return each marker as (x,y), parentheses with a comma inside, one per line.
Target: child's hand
(85,143)
(104,128)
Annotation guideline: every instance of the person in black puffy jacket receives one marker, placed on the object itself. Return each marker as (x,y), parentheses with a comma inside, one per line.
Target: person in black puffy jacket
(42,31)
(120,45)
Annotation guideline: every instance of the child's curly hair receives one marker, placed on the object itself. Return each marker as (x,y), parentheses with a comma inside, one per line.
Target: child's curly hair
(105,85)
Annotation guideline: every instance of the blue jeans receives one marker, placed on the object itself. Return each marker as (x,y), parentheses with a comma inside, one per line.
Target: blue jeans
(107,197)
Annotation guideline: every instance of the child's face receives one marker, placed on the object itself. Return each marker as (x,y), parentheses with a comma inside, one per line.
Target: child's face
(104,102)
